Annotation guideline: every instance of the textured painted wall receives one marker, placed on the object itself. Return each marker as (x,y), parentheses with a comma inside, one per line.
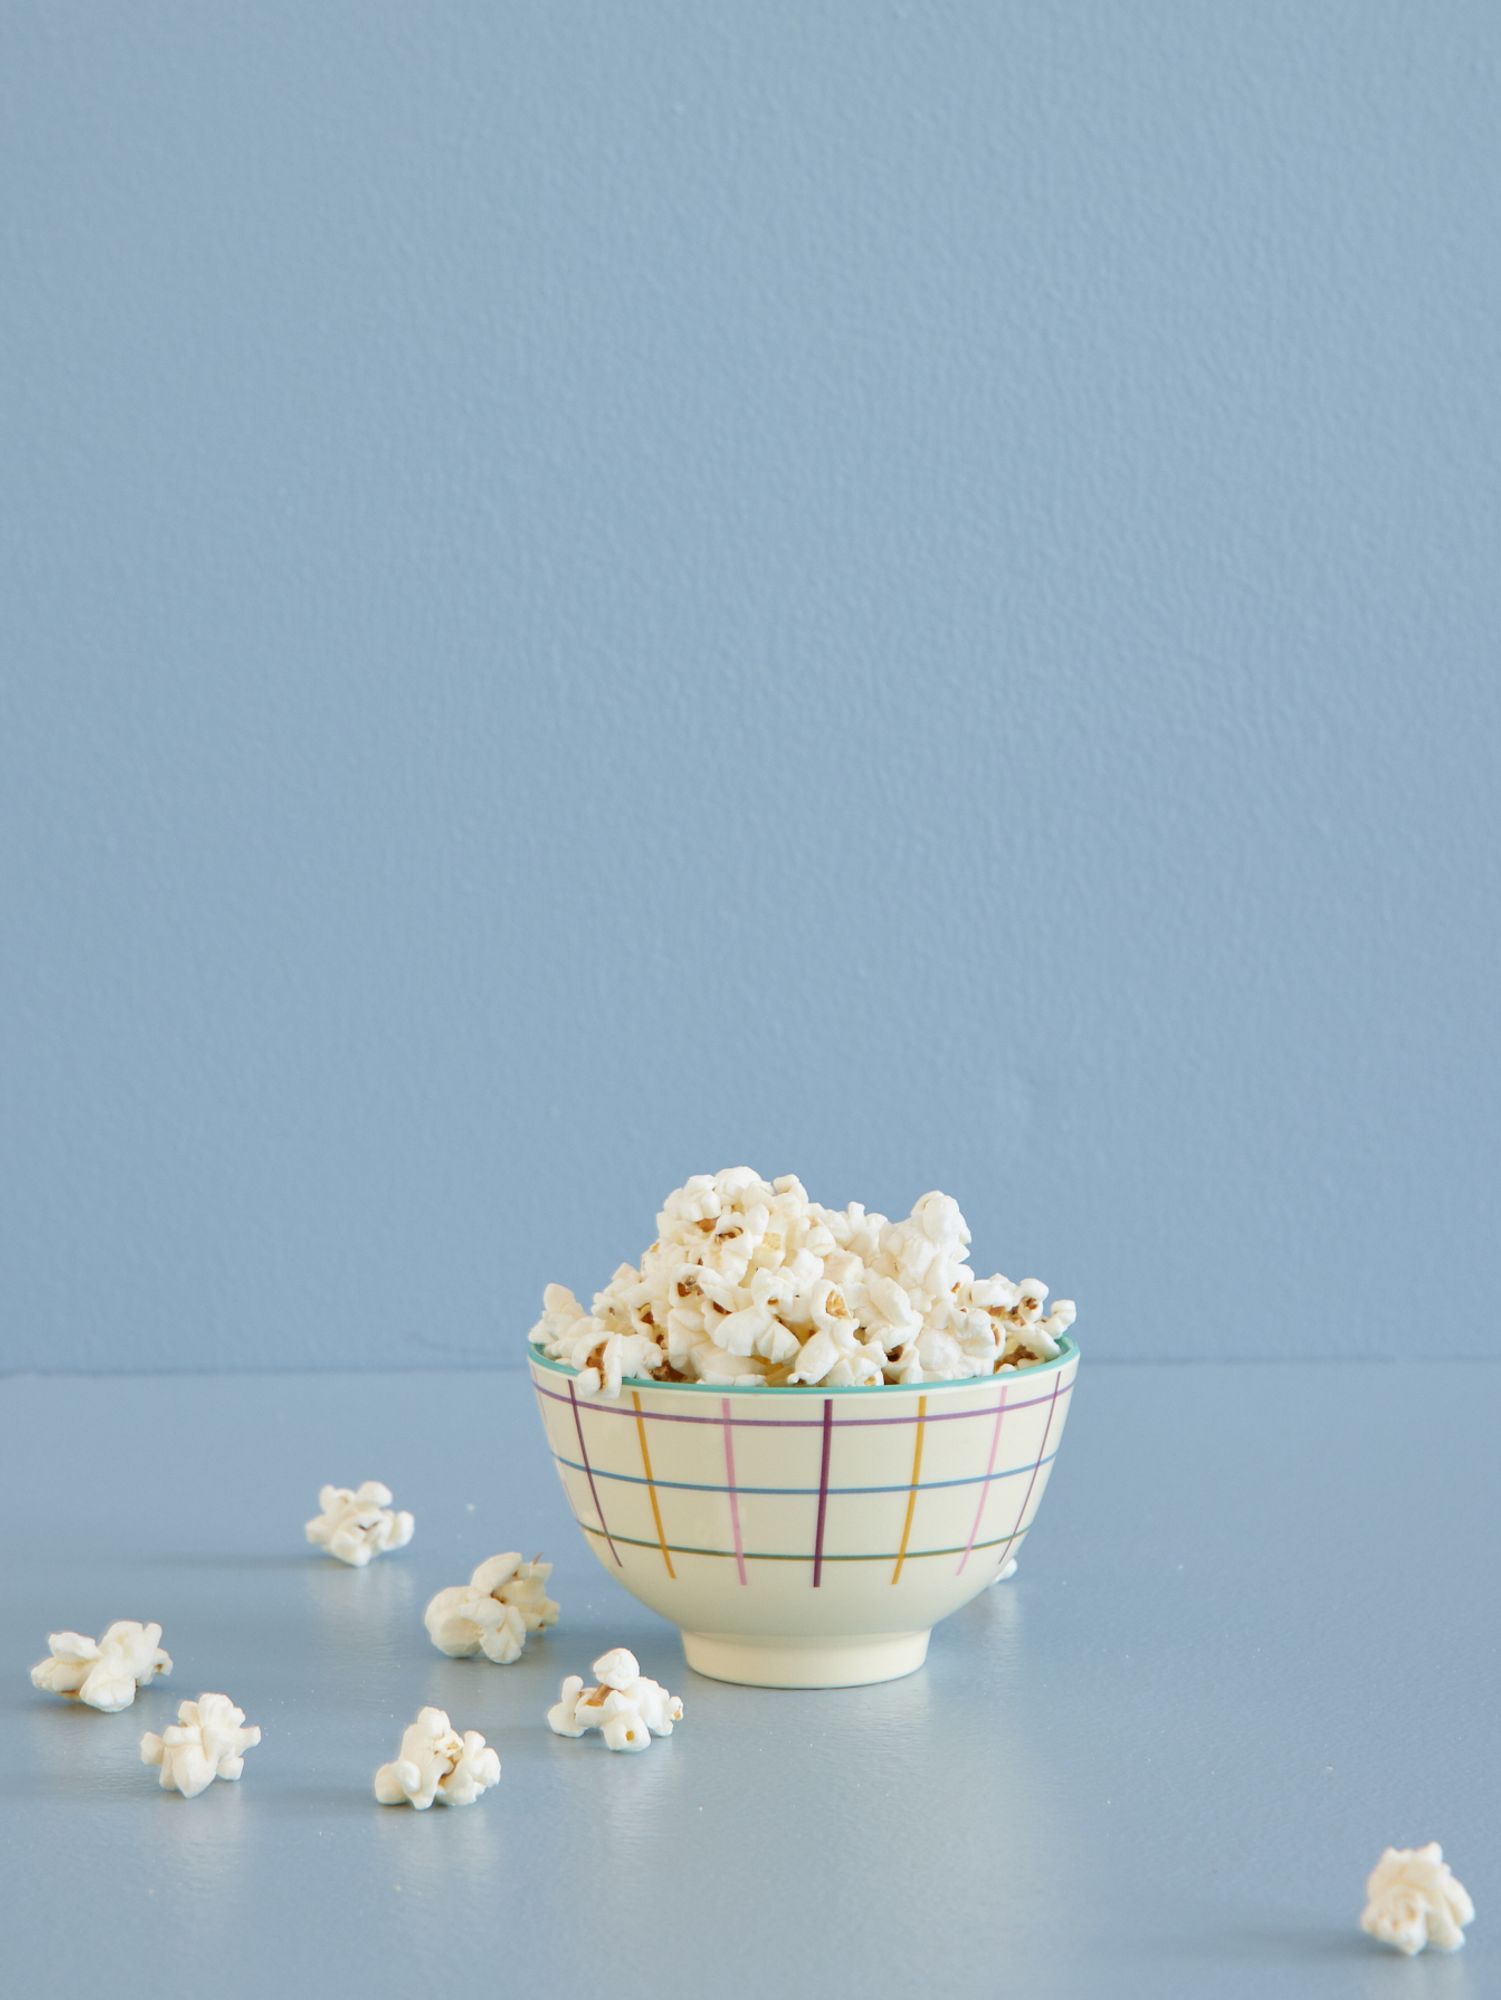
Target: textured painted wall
(906,592)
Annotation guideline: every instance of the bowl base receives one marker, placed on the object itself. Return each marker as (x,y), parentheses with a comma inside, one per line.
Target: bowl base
(754,1661)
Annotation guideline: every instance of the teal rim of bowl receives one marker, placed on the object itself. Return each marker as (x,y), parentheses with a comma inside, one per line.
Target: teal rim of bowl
(1068,1350)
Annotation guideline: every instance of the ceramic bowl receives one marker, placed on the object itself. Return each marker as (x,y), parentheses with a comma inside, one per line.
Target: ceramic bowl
(806,1537)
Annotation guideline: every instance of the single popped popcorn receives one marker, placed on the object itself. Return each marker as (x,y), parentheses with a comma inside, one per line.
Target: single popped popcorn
(625,1707)
(435,1762)
(104,1673)
(356,1525)
(622,1725)
(492,1613)
(658,1709)
(207,1741)
(563,1717)
(1413,1900)
(618,1668)
(750,1284)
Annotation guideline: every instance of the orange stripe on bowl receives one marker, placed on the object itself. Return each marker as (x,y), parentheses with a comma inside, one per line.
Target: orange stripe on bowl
(656,1512)
(901,1554)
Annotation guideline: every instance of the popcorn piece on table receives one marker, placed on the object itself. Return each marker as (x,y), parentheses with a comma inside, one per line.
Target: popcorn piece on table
(491,1614)
(563,1717)
(435,1762)
(104,1673)
(207,1741)
(356,1525)
(626,1708)
(749,1284)
(1413,1900)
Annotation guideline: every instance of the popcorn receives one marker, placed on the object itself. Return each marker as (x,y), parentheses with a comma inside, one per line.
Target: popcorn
(563,1717)
(603,1351)
(492,1613)
(1412,1900)
(658,1709)
(622,1728)
(435,1762)
(749,1284)
(626,1708)
(618,1669)
(354,1526)
(207,1741)
(104,1673)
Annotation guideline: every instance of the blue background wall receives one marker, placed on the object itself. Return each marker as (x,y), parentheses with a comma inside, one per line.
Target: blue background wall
(908,593)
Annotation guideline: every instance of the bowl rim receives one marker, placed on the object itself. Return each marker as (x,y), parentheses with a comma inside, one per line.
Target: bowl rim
(1068,1350)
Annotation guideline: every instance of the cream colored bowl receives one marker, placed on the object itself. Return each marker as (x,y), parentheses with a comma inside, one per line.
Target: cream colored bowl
(807,1537)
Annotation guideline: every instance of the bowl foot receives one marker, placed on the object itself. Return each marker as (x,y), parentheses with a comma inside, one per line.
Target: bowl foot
(754,1661)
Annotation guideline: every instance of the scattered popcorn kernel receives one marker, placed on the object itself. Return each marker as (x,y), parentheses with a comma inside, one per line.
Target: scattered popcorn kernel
(617,1668)
(356,1525)
(1413,1900)
(207,1741)
(624,1729)
(492,1613)
(563,1716)
(104,1673)
(658,1709)
(625,1707)
(435,1762)
(749,1284)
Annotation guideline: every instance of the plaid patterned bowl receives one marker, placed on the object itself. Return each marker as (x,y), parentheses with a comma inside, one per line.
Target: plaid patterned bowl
(806,1537)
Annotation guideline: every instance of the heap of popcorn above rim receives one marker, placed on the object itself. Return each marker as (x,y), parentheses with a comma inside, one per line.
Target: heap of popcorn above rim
(749,1284)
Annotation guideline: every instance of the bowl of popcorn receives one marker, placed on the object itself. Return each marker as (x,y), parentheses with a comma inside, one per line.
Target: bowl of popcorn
(805,1435)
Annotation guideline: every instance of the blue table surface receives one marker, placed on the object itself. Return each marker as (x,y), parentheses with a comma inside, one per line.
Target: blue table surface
(1253,1640)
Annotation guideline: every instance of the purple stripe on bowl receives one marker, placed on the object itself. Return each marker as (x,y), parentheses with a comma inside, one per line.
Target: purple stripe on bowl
(823,1490)
(588,1474)
(995,1439)
(1026,1497)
